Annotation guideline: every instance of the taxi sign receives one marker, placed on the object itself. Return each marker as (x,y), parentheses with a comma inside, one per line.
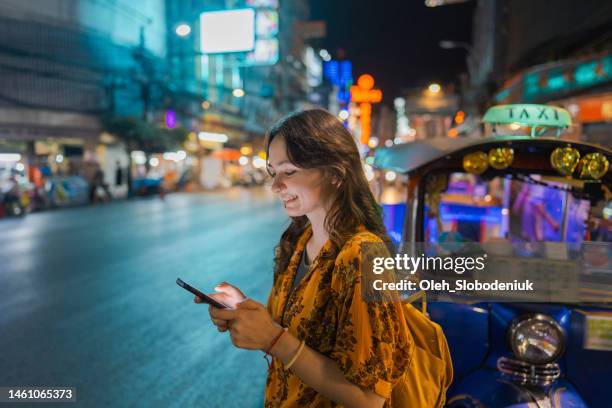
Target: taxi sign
(528,115)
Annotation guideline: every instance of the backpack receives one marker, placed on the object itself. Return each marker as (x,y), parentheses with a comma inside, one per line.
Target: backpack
(431,370)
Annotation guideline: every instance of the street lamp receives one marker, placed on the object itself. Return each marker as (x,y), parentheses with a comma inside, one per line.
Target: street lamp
(450,45)
(438,3)
(324,54)
(183,30)
(434,88)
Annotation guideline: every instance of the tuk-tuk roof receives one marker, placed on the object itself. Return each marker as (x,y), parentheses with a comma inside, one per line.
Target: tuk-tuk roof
(407,157)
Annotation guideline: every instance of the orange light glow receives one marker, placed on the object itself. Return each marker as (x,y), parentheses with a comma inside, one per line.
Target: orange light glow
(365,82)
(459,117)
(453,132)
(364,94)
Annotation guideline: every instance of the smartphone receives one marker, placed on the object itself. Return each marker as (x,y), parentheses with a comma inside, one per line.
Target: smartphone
(205,298)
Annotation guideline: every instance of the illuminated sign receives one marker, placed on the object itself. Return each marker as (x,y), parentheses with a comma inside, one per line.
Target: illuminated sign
(531,115)
(266,48)
(595,109)
(340,73)
(314,67)
(266,23)
(262,3)
(542,82)
(331,72)
(364,94)
(265,53)
(227,31)
(170,119)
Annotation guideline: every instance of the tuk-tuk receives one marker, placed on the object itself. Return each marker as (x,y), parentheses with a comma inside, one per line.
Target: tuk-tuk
(525,184)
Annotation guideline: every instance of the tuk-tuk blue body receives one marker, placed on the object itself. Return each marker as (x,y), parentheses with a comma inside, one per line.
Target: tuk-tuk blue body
(487,373)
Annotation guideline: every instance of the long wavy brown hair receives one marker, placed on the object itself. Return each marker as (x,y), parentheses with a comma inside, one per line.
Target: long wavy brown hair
(316,139)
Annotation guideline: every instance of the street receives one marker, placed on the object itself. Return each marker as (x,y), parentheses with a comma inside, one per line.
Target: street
(88,298)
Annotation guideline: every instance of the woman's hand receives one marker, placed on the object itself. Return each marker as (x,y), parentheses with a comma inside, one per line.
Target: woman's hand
(226,294)
(251,326)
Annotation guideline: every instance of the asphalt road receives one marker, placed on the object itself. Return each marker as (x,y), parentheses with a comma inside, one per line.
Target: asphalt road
(88,299)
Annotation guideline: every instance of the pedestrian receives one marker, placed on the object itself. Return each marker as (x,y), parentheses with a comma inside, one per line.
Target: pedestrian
(328,346)
(118,174)
(99,188)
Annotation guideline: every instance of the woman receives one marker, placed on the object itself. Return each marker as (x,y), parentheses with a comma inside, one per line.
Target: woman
(329,346)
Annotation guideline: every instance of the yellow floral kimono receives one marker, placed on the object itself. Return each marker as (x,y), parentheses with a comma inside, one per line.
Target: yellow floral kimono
(373,343)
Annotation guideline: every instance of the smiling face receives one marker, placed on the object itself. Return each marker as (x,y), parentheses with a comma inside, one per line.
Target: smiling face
(299,189)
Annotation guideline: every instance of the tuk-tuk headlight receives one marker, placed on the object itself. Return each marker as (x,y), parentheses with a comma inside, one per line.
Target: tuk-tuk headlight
(536,339)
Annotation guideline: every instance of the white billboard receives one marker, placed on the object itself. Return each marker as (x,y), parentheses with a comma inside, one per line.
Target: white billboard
(227,31)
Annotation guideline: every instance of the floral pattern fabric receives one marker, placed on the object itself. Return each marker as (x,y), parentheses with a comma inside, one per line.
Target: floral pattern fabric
(370,341)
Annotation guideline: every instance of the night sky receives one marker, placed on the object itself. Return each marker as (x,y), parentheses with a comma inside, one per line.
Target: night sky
(397,41)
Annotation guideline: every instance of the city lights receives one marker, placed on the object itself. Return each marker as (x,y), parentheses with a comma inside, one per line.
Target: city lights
(390,176)
(212,137)
(183,30)
(438,3)
(10,157)
(170,119)
(131,158)
(459,117)
(373,142)
(258,162)
(139,157)
(369,172)
(434,88)
(227,31)
(364,94)
(175,156)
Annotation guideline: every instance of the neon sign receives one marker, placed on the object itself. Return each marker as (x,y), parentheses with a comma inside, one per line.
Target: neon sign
(365,95)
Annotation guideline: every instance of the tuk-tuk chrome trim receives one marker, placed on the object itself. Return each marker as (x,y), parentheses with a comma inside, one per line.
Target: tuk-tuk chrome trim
(525,373)
(536,317)
(408,157)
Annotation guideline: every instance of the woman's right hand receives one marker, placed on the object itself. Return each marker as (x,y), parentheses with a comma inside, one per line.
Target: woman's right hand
(227,294)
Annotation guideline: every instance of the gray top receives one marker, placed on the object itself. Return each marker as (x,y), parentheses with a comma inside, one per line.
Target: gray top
(302,270)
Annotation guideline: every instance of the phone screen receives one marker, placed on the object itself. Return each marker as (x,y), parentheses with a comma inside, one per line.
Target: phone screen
(205,298)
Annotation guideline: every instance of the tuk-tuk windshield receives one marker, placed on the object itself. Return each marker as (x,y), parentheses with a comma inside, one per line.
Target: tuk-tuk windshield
(516,208)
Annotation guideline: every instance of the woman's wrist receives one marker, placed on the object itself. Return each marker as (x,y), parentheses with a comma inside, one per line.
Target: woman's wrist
(275,334)
(285,348)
